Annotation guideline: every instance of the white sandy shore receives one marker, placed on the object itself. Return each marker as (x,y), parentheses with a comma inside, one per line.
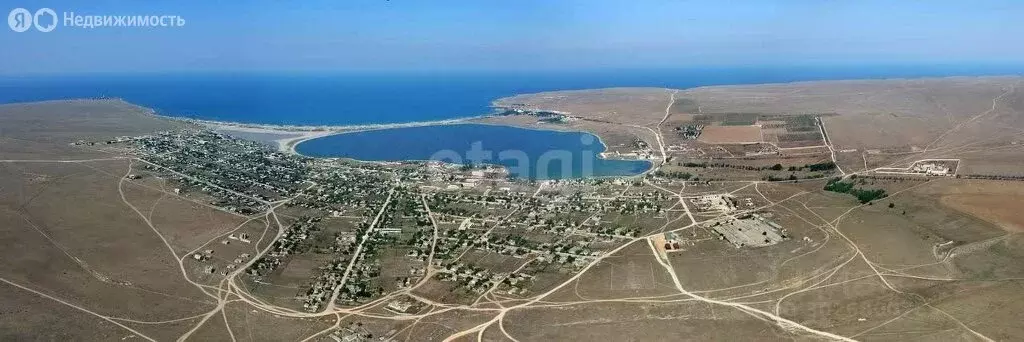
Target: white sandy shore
(287,144)
(288,140)
(293,135)
(269,128)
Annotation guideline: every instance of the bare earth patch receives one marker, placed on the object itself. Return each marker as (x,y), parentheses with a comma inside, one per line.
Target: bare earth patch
(1000,210)
(731,134)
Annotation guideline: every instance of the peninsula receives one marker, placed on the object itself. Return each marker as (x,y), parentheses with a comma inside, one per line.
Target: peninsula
(826,210)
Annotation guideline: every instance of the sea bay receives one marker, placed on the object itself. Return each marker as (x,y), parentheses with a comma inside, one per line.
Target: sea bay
(526,153)
(341,98)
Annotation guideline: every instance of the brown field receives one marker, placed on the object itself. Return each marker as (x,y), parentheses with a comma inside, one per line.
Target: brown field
(978,119)
(632,272)
(1001,210)
(805,145)
(78,259)
(731,134)
(46,128)
(996,202)
(72,238)
(636,106)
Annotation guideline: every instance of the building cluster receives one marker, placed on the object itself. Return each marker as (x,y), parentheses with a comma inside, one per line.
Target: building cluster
(931,169)
(241,176)
(690,132)
(291,241)
(373,228)
(753,230)
(721,203)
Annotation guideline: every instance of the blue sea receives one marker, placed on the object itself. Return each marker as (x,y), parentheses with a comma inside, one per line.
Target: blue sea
(343,98)
(349,98)
(526,153)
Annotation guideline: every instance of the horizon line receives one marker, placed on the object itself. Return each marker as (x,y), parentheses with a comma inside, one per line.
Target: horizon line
(1019,66)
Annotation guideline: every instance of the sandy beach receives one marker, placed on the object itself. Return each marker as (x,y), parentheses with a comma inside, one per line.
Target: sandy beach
(286,137)
(284,140)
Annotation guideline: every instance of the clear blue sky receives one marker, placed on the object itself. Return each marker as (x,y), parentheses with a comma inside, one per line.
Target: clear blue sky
(517,34)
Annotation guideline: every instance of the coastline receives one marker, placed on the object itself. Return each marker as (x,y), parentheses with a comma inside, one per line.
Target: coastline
(310,132)
(290,136)
(300,128)
(553,129)
(294,141)
(307,132)
(494,164)
(293,135)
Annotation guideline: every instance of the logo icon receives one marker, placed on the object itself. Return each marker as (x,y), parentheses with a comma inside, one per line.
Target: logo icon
(21,19)
(45,11)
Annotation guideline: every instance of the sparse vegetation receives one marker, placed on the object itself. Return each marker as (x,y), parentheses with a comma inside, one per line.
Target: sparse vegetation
(673,174)
(864,196)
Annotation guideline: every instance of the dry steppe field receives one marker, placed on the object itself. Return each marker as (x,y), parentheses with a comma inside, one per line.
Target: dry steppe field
(90,253)
(869,123)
